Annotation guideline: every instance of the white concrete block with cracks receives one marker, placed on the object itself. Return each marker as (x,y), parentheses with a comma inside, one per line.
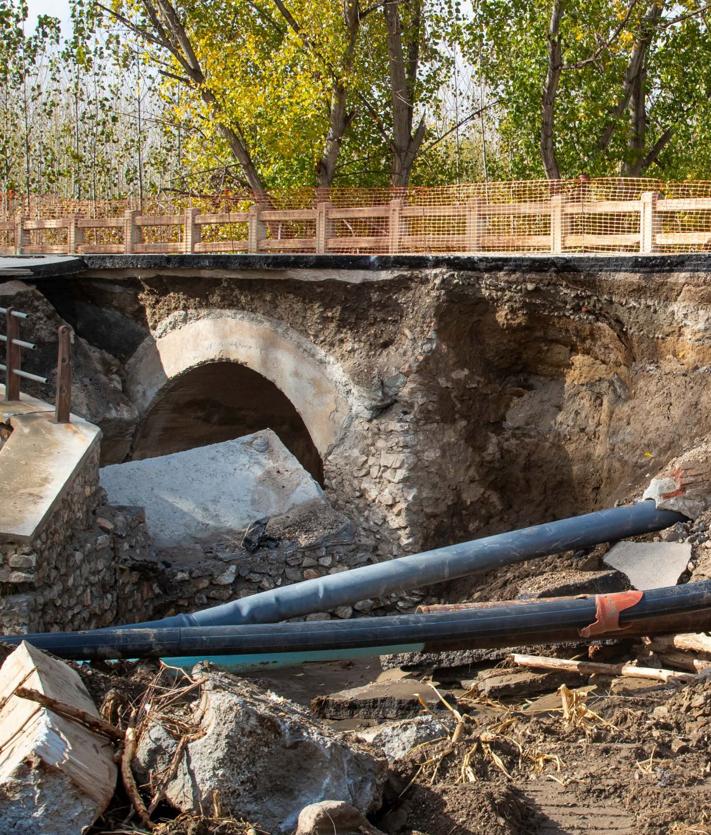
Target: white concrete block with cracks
(650,565)
(213,490)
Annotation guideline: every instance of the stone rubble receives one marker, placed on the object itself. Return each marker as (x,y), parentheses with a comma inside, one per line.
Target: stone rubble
(264,755)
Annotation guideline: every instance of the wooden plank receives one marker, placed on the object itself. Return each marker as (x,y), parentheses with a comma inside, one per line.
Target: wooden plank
(684,204)
(7,225)
(63,403)
(272,215)
(63,748)
(222,246)
(434,211)
(100,222)
(513,242)
(601,207)
(159,247)
(46,223)
(379,242)
(683,238)
(287,243)
(44,249)
(457,242)
(159,220)
(510,209)
(631,239)
(222,217)
(359,212)
(103,249)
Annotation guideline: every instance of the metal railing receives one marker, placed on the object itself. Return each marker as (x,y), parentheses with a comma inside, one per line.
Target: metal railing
(13,363)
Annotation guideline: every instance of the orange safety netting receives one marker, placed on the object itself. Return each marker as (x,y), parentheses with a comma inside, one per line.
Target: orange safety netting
(577,215)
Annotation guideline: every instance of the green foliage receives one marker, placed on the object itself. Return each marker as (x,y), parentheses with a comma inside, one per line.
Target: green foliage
(510,36)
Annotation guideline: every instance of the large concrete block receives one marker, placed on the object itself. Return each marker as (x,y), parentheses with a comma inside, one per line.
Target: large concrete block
(56,777)
(213,490)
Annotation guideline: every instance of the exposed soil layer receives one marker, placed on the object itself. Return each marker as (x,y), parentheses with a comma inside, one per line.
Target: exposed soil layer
(505,398)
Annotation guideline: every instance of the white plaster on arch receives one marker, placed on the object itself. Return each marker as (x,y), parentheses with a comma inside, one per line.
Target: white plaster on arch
(313,382)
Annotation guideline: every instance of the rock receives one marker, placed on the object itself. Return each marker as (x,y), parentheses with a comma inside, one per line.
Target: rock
(650,565)
(379,700)
(506,683)
(265,755)
(397,739)
(331,816)
(56,776)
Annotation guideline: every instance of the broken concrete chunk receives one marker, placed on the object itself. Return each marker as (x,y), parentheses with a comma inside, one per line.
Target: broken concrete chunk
(264,755)
(684,484)
(397,739)
(650,565)
(56,777)
(379,700)
(331,816)
(213,490)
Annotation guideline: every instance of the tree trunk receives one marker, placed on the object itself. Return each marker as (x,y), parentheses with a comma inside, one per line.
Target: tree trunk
(339,117)
(633,90)
(550,92)
(405,144)
(169,31)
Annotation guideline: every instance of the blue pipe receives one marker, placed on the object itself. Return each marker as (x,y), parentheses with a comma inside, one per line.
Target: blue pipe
(429,567)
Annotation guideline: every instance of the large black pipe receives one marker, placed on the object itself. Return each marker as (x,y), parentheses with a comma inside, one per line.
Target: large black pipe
(676,608)
(424,569)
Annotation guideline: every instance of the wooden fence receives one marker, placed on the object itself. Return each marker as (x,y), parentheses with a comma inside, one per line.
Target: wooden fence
(560,223)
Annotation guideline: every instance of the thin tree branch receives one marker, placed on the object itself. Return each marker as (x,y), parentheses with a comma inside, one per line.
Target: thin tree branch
(607,44)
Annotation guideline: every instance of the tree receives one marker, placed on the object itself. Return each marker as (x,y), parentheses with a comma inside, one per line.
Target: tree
(609,86)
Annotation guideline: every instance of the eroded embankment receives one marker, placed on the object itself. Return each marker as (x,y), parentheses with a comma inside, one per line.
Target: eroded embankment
(480,400)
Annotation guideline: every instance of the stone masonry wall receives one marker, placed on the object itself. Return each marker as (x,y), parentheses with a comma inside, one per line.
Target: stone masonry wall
(307,543)
(79,571)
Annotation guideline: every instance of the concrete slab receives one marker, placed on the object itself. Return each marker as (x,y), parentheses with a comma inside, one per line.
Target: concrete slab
(40,265)
(36,463)
(650,565)
(213,490)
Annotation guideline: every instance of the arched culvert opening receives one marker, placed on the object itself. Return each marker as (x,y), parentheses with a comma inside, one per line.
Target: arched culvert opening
(218,401)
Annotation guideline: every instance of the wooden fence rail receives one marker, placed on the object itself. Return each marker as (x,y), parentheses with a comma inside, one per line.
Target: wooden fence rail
(559,224)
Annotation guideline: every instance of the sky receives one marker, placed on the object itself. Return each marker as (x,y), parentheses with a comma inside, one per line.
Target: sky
(56,8)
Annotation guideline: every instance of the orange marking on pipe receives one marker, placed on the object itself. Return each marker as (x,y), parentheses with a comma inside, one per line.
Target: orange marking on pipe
(607,612)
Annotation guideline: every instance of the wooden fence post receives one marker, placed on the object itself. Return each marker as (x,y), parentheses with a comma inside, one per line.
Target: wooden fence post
(323,227)
(20,234)
(394,223)
(474,226)
(12,363)
(647,222)
(64,376)
(256,230)
(192,230)
(556,224)
(75,235)
(131,232)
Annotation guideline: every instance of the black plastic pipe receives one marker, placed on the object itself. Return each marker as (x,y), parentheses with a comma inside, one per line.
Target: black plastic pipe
(675,608)
(429,567)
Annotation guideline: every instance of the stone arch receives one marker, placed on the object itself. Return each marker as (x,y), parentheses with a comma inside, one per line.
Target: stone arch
(316,386)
